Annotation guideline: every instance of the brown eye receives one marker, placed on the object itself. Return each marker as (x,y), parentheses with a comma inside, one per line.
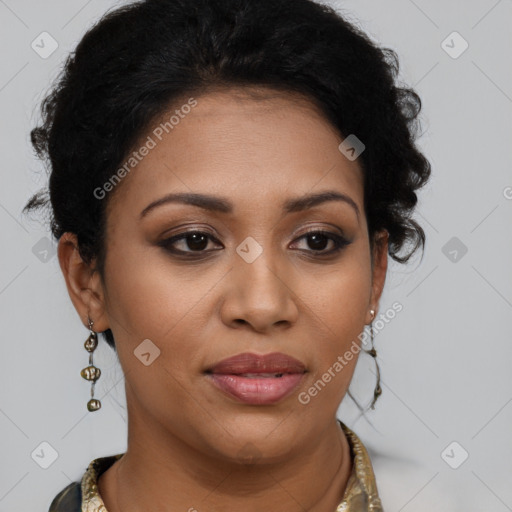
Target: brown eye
(318,241)
(195,243)
(190,242)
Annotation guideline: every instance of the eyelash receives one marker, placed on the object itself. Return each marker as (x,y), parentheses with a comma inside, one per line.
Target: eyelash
(339,242)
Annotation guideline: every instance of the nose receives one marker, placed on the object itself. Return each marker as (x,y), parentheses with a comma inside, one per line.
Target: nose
(259,296)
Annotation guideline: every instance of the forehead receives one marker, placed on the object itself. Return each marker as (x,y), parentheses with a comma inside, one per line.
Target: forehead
(245,144)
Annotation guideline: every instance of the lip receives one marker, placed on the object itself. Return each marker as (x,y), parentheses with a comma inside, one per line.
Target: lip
(229,376)
(276,362)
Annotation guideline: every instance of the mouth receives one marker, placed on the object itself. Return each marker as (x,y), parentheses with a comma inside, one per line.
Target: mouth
(257,379)
(256,389)
(260,375)
(250,364)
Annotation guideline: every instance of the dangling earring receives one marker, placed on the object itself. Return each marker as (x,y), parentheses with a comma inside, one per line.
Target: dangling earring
(378,390)
(91,373)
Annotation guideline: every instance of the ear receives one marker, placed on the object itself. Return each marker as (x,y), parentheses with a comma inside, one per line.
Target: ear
(379,269)
(83,283)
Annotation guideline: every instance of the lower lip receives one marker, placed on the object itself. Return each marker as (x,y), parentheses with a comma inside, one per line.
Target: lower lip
(254,390)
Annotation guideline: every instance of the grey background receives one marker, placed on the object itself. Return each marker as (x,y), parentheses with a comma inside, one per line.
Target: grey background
(445,358)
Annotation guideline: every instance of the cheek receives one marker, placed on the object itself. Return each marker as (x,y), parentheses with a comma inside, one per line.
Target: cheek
(339,308)
(341,298)
(149,295)
(150,298)
(151,301)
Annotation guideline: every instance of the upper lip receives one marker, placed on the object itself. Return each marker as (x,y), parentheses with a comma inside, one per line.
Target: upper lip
(276,362)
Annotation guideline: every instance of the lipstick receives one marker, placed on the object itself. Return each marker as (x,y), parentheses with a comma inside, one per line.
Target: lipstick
(257,379)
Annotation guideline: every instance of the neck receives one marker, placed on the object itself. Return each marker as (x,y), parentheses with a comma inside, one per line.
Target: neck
(161,472)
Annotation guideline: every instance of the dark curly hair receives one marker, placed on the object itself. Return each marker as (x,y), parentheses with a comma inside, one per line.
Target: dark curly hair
(140,59)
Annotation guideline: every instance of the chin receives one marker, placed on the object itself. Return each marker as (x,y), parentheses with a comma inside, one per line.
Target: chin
(254,438)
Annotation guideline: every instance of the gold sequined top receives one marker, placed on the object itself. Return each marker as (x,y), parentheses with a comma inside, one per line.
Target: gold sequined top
(360,493)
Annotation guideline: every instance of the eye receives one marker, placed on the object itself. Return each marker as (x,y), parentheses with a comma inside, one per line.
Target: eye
(195,241)
(318,240)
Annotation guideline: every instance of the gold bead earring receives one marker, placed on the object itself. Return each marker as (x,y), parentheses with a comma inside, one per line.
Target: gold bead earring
(91,373)
(373,352)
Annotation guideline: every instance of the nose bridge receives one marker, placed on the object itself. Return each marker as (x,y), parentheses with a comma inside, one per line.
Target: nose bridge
(259,294)
(257,268)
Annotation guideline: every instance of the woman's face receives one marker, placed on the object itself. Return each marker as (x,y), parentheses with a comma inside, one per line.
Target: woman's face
(250,281)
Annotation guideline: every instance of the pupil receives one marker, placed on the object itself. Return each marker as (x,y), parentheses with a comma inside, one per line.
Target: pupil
(319,241)
(197,242)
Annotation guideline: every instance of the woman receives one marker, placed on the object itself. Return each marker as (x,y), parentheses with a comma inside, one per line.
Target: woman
(227,180)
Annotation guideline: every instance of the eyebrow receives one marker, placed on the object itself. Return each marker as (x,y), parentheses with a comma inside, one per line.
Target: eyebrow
(223,205)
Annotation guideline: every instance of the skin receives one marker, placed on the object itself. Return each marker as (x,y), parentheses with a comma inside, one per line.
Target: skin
(185,436)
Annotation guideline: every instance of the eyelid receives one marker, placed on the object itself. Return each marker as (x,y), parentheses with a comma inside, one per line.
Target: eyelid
(340,241)
(167,243)
(323,229)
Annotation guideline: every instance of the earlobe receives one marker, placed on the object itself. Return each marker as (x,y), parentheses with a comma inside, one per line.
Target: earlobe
(380,265)
(83,283)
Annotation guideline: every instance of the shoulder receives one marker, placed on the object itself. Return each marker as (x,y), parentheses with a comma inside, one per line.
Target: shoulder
(79,495)
(68,500)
